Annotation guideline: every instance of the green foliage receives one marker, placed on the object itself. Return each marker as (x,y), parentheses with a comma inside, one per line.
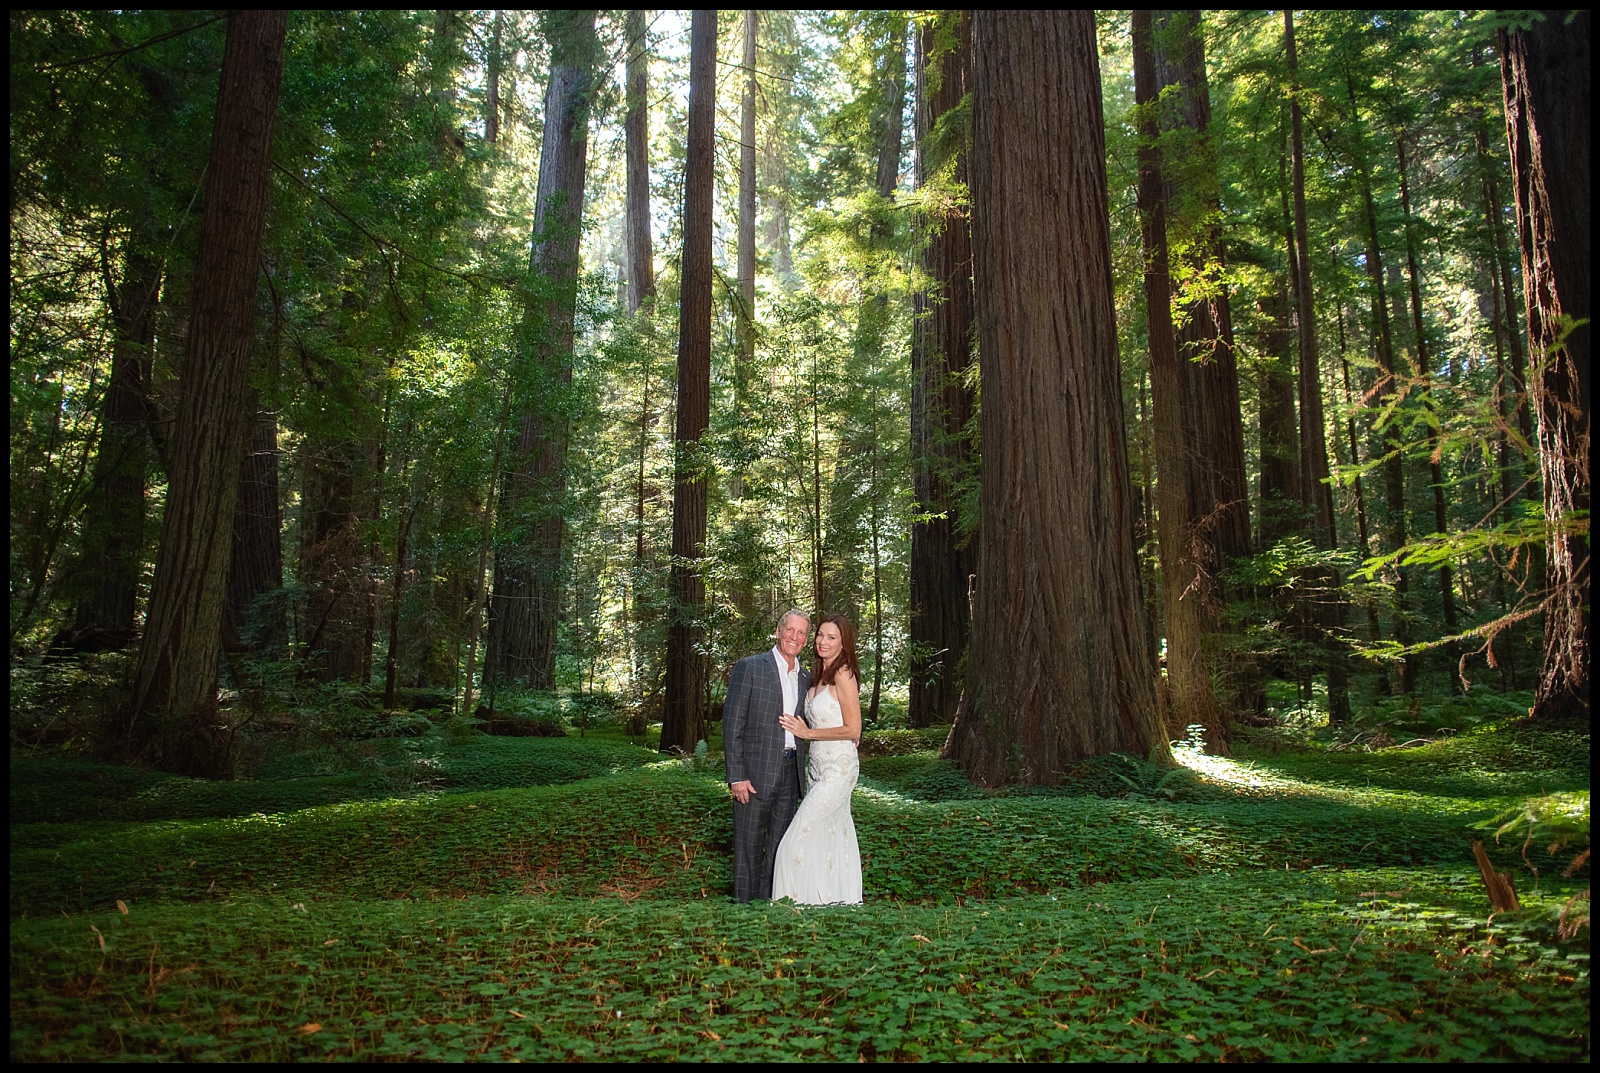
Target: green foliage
(1364,965)
(1305,905)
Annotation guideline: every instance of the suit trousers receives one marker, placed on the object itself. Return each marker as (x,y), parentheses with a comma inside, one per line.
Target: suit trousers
(758,827)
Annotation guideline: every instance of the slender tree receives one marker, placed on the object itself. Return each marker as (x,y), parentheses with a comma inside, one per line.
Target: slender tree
(1545,73)
(636,132)
(1060,664)
(941,401)
(1184,491)
(1313,478)
(1203,322)
(114,529)
(174,705)
(1425,372)
(682,719)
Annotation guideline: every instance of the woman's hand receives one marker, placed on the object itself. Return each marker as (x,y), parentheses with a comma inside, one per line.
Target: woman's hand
(794,725)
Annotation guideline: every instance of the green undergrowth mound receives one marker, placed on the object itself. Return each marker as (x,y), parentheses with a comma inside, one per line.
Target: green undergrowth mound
(1519,757)
(1321,966)
(67,791)
(665,832)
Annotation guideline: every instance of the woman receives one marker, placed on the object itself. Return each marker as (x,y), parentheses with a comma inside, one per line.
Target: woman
(819,862)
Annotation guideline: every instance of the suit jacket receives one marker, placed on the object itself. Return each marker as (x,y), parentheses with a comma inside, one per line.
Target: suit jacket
(752,739)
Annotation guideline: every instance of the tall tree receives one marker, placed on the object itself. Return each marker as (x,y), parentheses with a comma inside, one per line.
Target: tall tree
(1390,386)
(1060,665)
(1545,73)
(636,132)
(174,701)
(747,222)
(1425,372)
(1184,491)
(113,535)
(682,720)
(1204,319)
(941,401)
(528,575)
(1313,478)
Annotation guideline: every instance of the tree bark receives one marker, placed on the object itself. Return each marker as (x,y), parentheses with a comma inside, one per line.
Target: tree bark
(255,573)
(1545,74)
(683,720)
(1188,558)
(1060,667)
(528,573)
(636,132)
(941,402)
(1204,325)
(496,64)
(746,353)
(1280,439)
(333,567)
(113,527)
(1313,478)
(175,696)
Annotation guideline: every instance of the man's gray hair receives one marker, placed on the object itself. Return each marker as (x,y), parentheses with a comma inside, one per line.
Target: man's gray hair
(791,613)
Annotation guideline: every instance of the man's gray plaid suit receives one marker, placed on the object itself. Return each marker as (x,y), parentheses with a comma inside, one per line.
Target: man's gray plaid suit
(752,742)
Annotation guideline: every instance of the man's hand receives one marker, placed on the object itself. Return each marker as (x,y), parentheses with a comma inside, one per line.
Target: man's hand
(742,791)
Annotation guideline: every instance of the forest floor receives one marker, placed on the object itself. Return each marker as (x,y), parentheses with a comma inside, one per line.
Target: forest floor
(450,897)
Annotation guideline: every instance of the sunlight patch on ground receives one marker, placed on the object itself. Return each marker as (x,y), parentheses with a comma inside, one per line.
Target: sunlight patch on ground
(1221,771)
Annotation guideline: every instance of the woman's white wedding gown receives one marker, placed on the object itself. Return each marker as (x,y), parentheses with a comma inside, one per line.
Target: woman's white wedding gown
(819,861)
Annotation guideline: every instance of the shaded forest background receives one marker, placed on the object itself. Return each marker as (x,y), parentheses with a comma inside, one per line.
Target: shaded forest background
(482,354)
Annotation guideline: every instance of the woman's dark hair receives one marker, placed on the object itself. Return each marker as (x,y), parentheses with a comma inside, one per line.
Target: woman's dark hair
(824,676)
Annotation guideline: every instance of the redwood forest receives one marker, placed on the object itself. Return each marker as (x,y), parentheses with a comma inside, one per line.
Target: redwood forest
(416,415)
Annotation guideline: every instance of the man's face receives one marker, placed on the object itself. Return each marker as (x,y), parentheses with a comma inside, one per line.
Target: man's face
(792,636)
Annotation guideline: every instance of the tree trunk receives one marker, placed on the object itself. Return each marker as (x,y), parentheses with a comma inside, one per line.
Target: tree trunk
(1060,667)
(1393,468)
(941,402)
(1188,558)
(332,563)
(682,723)
(113,527)
(1280,439)
(1425,372)
(255,573)
(747,226)
(175,696)
(1313,478)
(528,574)
(1545,73)
(1204,330)
(636,131)
(496,64)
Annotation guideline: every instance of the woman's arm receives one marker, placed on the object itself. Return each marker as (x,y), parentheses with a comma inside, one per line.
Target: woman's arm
(845,691)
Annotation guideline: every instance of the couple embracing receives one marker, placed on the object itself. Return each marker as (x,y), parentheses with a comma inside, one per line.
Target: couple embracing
(789,738)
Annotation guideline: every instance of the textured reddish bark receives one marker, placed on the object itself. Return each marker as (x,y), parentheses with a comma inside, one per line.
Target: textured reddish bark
(1060,665)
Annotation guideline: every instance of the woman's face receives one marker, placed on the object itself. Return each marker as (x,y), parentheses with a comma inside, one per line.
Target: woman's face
(828,643)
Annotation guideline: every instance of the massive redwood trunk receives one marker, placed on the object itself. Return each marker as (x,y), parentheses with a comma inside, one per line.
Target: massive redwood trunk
(941,401)
(1060,666)
(1545,71)
(682,720)
(528,564)
(175,694)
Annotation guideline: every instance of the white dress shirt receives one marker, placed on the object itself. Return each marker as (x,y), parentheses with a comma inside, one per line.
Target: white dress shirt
(790,677)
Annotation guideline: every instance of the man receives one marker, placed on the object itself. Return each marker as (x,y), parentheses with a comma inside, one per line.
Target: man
(764,761)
